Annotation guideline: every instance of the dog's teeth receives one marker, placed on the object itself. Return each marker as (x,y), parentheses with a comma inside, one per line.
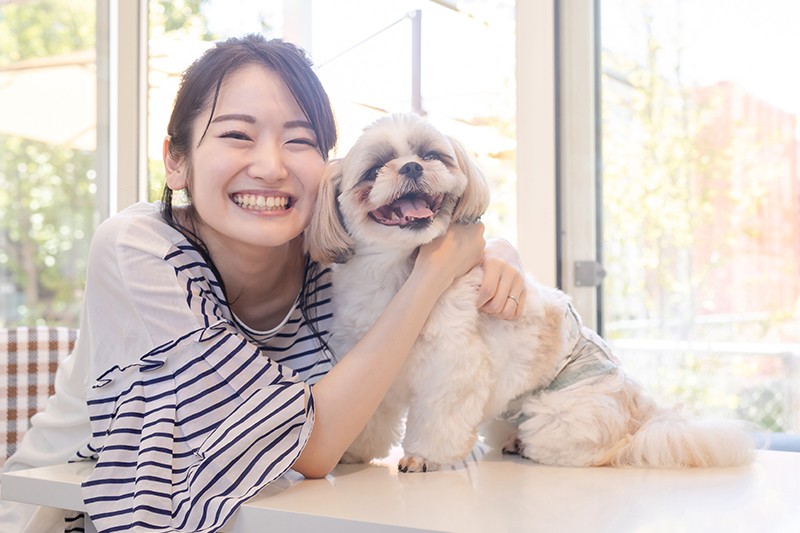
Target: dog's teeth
(394,216)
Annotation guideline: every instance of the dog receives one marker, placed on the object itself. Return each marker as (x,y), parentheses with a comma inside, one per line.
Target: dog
(542,386)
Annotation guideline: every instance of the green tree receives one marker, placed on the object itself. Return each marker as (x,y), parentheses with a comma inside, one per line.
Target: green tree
(47,192)
(685,187)
(683,184)
(46,221)
(183,17)
(45,28)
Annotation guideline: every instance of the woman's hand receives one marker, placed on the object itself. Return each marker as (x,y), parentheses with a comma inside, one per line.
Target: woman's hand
(503,278)
(453,254)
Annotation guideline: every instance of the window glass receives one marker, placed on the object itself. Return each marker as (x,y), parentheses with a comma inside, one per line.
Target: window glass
(701,206)
(47,166)
(363,55)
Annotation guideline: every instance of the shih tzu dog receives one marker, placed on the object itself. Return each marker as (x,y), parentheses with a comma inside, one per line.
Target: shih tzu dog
(542,386)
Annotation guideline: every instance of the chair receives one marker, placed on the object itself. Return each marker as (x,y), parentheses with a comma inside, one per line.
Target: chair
(29,358)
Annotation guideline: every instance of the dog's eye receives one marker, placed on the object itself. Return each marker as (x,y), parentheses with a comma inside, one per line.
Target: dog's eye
(431,156)
(372,174)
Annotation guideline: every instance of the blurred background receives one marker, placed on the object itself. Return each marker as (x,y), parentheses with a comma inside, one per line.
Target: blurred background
(692,161)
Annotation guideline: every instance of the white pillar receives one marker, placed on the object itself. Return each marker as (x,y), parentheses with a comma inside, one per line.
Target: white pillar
(536,139)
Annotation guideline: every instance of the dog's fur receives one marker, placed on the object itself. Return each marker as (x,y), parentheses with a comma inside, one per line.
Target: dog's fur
(467,367)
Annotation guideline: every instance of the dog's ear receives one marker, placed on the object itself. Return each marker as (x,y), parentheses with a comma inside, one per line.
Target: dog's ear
(325,239)
(475,199)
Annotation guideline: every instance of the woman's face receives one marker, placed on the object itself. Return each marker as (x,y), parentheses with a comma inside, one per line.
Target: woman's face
(256,172)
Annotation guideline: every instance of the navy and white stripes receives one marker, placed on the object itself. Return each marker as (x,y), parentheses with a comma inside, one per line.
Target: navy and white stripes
(203,422)
(293,343)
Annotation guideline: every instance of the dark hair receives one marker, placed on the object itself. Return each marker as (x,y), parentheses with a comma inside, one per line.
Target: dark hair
(199,89)
(201,82)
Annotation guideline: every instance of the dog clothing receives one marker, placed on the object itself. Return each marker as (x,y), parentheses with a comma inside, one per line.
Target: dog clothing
(589,358)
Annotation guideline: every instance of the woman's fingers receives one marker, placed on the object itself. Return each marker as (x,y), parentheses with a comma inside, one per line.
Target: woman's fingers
(501,291)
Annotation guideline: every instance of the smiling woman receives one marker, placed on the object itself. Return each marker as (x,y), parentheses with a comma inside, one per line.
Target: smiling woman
(373,78)
(271,152)
(203,371)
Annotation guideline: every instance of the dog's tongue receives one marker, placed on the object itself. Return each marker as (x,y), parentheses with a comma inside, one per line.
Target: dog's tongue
(408,210)
(414,207)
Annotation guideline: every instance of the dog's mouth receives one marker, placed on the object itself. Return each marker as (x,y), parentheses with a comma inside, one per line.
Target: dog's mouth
(411,210)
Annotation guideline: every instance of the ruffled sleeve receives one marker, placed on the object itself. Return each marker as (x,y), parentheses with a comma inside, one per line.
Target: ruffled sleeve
(186,440)
(188,418)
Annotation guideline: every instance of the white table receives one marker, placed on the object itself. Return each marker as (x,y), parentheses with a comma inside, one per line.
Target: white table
(495,493)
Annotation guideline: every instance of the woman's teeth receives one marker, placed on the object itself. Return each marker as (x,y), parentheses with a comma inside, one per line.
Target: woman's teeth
(262,203)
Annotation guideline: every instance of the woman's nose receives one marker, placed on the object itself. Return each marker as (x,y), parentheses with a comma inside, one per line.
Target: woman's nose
(268,165)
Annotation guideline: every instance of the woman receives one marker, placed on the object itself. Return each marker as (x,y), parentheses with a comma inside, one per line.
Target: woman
(202,355)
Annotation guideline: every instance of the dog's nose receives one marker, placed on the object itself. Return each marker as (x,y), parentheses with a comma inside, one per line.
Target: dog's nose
(411,170)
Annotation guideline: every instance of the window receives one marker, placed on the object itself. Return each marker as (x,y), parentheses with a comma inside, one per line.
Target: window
(365,58)
(363,53)
(48,177)
(86,91)
(701,205)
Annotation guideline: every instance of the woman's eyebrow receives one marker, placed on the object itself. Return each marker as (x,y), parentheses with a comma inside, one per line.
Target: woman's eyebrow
(243,118)
(298,124)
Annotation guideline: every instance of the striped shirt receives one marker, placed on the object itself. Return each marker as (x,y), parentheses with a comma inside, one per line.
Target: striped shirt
(192,413)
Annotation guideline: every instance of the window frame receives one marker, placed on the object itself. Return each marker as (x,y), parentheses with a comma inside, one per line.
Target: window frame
(122,63)
(541,151)
(579,174)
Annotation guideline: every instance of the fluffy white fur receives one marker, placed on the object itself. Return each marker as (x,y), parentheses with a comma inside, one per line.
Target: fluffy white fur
(467,366)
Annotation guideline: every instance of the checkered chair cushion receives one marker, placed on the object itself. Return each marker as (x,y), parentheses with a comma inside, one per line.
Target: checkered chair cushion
(29,358)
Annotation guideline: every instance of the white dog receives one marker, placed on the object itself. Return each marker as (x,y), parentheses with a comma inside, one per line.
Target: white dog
(551,389)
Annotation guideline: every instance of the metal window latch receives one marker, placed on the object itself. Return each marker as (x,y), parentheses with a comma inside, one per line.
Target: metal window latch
(589,273)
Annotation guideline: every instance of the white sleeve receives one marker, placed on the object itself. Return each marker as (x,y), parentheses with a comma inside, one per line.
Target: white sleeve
(115,329)
(133,301)
(183,413)
(189,419)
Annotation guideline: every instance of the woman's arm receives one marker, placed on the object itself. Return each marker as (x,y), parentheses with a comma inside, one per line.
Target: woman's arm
(348,395)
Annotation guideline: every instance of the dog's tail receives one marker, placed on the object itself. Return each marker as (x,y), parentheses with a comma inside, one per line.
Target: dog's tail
(666,440)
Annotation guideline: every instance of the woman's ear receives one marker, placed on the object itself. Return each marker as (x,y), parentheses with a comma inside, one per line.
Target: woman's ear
(174,170)
(326,239)
(475,199)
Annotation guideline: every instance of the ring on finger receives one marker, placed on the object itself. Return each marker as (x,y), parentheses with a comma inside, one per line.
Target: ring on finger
(516,301)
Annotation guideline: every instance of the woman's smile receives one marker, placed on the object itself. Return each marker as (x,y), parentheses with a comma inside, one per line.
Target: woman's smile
(262,202)
(257,168)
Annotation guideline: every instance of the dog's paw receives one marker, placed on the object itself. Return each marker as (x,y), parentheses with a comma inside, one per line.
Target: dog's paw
(513,446)
(411,463)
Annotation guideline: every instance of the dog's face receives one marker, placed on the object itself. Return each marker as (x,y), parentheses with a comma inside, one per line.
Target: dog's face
(401,184)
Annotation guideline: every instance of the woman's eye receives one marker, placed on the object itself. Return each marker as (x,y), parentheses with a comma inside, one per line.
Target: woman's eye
(235,135)
(308,142)
(431,156)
